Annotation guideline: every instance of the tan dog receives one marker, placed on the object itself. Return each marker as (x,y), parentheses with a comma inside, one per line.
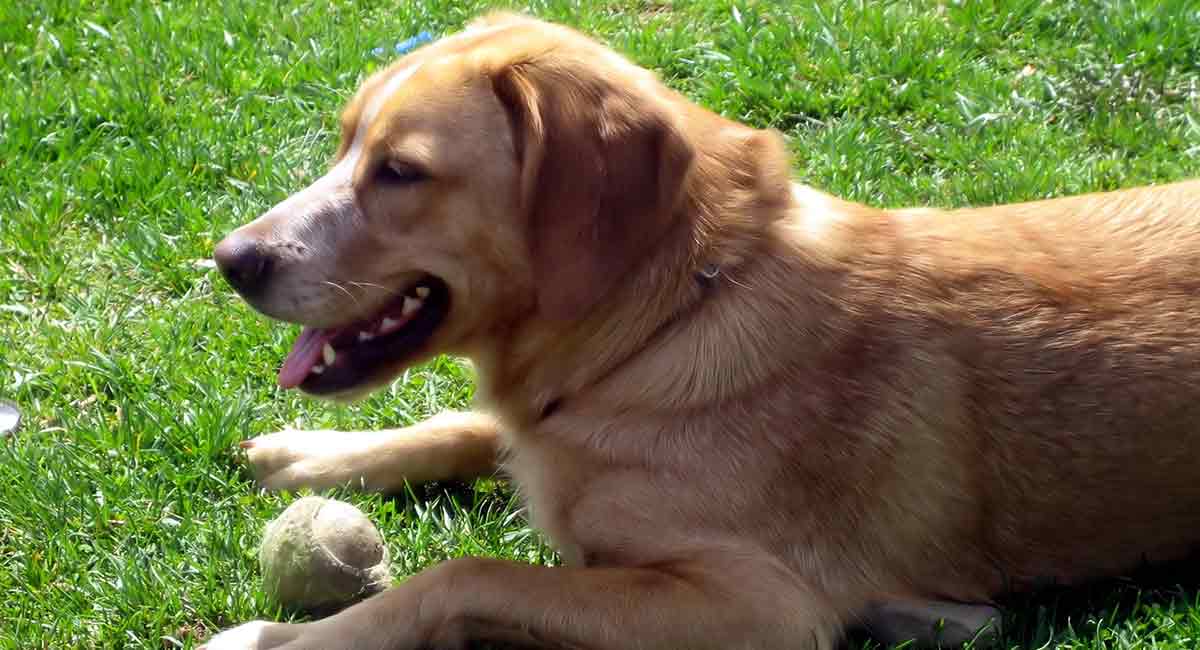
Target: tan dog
(745,411)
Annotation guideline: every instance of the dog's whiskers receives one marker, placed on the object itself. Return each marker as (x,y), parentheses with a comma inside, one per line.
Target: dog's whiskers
(388,292)
(342,289)
(370,285)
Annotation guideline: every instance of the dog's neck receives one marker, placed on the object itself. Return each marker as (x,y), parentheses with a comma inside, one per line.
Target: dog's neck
(687,329)
(734,341)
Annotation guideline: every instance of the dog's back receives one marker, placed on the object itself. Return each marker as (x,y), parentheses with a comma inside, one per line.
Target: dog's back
(1077,336)
(1032,374)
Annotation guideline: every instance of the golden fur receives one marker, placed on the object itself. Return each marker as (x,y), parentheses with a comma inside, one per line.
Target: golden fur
(861,406)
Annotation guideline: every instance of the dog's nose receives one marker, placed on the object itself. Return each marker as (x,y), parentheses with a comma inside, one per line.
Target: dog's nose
(244,263)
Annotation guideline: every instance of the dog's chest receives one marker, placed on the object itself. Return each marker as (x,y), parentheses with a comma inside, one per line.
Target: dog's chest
(541,473)
(600,508)
(594,511)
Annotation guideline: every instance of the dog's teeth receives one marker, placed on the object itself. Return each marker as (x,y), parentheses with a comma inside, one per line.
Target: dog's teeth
(411,305)
(422,291)
(365,336)
(328,354)
(388,325)
(318,369)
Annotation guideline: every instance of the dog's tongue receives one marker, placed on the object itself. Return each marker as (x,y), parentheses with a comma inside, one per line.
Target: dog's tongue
(305,354)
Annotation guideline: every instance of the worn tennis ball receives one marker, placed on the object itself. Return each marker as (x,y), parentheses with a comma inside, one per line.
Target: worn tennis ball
(321,554)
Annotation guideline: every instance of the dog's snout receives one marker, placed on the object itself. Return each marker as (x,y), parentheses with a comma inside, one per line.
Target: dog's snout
(244,262)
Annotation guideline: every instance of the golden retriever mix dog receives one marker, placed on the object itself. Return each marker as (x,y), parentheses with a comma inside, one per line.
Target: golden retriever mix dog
(746,412)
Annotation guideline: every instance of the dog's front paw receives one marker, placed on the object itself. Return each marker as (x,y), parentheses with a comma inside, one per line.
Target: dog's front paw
(292,459)
(257,635)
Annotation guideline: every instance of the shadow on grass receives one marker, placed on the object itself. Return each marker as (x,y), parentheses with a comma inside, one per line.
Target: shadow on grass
(464,493)
(1089,616)
(1077,613)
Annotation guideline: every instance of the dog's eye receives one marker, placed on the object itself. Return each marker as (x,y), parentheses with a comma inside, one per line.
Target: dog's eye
(399,173)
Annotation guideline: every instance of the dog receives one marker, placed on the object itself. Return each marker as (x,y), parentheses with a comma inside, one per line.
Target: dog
(746,412)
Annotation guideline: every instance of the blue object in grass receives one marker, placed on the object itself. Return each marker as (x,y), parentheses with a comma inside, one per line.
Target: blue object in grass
(408,44)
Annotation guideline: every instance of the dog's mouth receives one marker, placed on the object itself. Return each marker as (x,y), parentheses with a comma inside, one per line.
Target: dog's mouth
(335,359)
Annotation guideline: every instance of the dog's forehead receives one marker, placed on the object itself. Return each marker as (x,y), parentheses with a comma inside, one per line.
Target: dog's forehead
(448,55)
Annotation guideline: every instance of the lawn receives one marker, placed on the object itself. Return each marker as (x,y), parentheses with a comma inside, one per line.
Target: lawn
(133,134)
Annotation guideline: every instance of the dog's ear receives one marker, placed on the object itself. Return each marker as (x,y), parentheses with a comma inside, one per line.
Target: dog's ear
(603,173)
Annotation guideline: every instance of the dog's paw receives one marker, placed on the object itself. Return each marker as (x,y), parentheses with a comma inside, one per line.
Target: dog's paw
(257,635)
(292,459)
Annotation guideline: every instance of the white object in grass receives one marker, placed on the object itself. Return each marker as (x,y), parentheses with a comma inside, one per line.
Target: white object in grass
(10,418)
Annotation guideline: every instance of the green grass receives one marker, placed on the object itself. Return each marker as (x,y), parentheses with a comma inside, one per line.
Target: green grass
(134,134)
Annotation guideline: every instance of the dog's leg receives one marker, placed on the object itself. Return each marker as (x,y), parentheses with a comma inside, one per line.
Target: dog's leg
(703,606)
(447,446)
(932,624)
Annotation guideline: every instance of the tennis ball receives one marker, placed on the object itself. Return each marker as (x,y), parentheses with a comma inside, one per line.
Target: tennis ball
(320,555)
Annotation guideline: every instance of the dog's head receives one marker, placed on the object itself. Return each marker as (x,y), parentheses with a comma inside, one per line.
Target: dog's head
(517,169)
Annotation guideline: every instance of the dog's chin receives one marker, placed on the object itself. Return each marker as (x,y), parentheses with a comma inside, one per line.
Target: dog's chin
(360,357)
